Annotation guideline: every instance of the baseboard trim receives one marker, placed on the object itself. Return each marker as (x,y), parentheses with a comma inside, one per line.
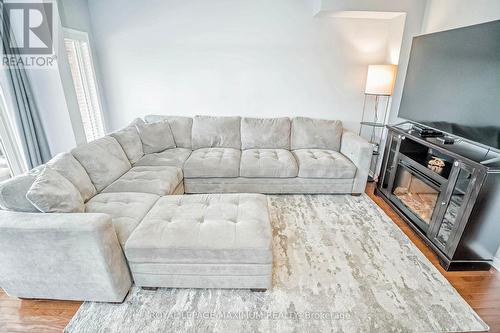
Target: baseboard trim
(496,263)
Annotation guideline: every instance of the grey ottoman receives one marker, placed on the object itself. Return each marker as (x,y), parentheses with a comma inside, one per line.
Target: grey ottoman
(203,241)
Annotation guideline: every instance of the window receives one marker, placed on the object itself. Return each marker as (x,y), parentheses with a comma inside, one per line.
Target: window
(4,165)
(11,160)
(79,55)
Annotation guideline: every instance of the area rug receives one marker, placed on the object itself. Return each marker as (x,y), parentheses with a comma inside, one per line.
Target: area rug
(340,265)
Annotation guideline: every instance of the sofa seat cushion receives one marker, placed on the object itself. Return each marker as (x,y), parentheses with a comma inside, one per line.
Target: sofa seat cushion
(205,228)
(323,163)
(126,210)
(213,162)
(273,163)
(170,157)
(159,180)
(103,159)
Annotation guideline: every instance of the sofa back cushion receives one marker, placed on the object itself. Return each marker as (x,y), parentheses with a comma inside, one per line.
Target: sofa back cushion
(103,159)
(13,193)
(156,137)
(316,133)
(130,141)
(53,193)
(180,126)
(222,132)
(273,133)
(72,170)
(137,121)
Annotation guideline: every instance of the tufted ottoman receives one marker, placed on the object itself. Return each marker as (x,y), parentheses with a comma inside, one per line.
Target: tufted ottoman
(203,241)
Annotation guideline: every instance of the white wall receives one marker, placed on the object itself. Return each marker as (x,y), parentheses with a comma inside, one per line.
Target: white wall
(49,95)
(414,10)
(250,58)
(449,14)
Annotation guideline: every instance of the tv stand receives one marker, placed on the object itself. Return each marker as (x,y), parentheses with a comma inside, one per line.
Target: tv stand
(446,195)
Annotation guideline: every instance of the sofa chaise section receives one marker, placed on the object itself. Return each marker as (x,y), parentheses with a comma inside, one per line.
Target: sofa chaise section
(126,210)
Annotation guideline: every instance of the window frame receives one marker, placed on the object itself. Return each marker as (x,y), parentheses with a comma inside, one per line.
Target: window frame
(69,84)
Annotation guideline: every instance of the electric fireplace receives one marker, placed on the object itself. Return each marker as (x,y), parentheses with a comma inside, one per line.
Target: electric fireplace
(444,194)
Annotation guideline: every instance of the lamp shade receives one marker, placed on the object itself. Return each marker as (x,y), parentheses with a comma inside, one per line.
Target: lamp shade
(380,79)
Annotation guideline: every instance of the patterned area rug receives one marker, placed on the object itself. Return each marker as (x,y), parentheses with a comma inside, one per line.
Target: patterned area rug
(340,265)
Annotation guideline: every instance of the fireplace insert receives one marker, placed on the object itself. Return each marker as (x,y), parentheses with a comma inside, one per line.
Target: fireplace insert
(416,194)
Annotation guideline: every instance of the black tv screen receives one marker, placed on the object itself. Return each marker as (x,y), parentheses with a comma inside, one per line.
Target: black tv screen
(453,83)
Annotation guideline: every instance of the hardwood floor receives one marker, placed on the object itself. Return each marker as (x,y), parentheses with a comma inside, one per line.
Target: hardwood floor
(480,289)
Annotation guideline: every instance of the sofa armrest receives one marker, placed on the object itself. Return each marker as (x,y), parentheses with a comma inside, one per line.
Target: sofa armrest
(359,151)
(62,256)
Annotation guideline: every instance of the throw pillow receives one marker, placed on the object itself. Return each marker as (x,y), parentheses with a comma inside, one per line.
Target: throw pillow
(156,137)
(180,126)
(52,193)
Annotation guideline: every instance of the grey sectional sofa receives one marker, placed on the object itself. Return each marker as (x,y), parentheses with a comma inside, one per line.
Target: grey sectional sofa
(131,185)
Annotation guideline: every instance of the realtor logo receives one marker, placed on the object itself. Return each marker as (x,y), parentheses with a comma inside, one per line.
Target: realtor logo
(30,26)
(28,34)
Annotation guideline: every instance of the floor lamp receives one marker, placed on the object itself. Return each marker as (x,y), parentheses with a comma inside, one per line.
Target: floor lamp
(379,83)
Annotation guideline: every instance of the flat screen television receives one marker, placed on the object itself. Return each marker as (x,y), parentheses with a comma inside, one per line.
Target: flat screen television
(453,83)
